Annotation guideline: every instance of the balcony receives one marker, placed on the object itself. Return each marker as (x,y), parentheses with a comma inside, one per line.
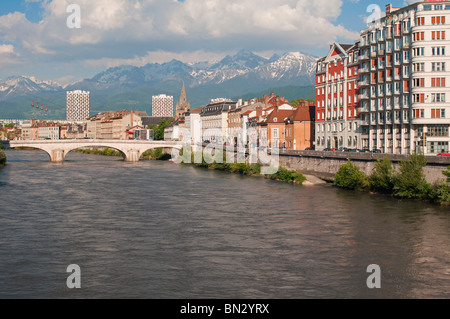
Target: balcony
(364,43)
(397,77)
(363,110)
(389,79)
(406,46)
(389,93)
(397,48)
(364,83)
(388,36)
(364,96)
(373,54)
(363,57)
(381,52)
(407,31)
(364,70)
(381,66)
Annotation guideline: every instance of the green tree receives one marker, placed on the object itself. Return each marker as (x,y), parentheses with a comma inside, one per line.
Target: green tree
(350,177)
(159,129)
(410,181)
(382,178)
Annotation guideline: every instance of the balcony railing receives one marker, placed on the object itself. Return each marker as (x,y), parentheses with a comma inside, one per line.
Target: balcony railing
(364,96)
(364,83)
(364,70)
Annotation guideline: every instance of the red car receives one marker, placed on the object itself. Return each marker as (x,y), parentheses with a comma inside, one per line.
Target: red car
(444,154)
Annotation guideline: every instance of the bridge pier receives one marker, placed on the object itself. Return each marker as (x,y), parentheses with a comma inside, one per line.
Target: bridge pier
(132,156)
(57,156)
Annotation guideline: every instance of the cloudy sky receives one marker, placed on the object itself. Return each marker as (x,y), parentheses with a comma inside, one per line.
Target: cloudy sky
(35,39)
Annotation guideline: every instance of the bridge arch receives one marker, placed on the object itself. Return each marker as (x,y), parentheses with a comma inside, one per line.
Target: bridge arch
(58,149)
(114,148)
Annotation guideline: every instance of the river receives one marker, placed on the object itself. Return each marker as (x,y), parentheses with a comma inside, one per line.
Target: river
(161,230)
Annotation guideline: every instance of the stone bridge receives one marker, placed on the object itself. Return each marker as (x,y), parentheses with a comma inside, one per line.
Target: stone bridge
(58,149)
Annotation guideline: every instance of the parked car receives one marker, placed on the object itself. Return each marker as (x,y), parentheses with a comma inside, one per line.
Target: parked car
(376,151)
(342,149)
(364,150)
(329,149)
(352,150)
(444,154)
(309,149)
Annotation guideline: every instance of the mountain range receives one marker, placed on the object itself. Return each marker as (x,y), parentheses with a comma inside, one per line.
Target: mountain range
(131,87)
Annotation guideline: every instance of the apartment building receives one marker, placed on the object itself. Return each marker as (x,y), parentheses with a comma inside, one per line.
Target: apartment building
(214,118)
(113,125)
(162,106)
(77,105)
(405,100)
(337,120)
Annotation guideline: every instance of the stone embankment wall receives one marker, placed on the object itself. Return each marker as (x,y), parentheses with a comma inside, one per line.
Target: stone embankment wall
(326,164)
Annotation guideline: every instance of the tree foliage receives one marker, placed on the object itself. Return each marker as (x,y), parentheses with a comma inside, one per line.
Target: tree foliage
(350,177)
(382,178)
(410,181)
(159,129)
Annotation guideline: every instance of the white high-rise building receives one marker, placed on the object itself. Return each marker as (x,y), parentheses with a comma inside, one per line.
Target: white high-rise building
(405,65)
(162,106)
(77,106)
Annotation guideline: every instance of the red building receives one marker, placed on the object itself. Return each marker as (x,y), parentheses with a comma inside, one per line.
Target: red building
(337,98)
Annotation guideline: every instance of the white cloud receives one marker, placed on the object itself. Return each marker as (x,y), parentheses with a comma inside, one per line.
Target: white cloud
(137,31)
(6,49)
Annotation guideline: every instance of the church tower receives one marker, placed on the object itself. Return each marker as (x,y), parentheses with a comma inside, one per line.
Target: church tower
(183,105)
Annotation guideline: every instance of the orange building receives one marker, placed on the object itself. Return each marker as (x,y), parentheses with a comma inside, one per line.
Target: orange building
(300,128)
(290,129)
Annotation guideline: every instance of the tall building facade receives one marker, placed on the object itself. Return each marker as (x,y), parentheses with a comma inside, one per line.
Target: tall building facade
(162,106)
(337,119)
(77,106)
(405,64)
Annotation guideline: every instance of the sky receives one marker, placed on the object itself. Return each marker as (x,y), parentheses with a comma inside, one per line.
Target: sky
(35,38)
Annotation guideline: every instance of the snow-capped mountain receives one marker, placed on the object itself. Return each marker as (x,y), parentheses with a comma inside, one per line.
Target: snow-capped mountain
(25,85)
(292,68)
(129,86)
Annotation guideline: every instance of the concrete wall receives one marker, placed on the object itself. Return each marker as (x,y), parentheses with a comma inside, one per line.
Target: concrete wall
(326,164)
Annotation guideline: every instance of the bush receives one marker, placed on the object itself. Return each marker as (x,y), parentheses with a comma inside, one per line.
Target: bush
(440,193)
(410,181)
(350,177)
(2,157)
(157,155)
(288,176)
(382,178)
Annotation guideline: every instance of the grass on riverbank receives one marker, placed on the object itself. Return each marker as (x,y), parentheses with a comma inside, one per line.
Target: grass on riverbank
(408,182)
(245,169)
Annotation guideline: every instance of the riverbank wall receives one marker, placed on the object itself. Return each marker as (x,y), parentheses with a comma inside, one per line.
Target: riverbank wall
(326,164)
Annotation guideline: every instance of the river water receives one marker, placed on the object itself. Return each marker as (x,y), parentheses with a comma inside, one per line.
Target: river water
(161,230)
